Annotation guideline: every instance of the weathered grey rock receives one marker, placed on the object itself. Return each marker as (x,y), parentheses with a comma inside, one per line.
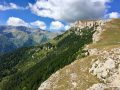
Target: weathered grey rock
(97,25)
(107,67)
(98,86)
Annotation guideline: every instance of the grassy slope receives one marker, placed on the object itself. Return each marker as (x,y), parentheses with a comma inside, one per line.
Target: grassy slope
(111,35)
(110,38)
(27,68)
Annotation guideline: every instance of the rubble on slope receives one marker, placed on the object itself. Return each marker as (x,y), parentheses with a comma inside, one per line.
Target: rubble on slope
(107,67)
(98,86)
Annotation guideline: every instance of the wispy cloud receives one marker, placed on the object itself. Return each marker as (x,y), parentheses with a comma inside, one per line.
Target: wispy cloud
(56,25)
(10,6)
(114,15)
(14,21)
(39,24)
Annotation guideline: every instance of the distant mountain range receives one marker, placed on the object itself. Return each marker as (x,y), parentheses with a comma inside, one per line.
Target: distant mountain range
(12,37)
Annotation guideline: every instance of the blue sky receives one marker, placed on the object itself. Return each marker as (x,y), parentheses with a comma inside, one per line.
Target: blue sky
(55,14)
(26,15)
(115,6)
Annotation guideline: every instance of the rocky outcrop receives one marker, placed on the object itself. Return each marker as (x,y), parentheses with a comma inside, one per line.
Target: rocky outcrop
(97,25)
(107,68)
(89,23)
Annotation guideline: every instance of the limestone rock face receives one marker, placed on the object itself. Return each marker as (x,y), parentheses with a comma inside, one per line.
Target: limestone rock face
(89,23)
(97,25)
(107,68)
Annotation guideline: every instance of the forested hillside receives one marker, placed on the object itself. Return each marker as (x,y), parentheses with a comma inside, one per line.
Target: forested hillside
(27,68)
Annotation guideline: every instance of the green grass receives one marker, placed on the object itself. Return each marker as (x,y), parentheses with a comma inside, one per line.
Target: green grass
(27,68)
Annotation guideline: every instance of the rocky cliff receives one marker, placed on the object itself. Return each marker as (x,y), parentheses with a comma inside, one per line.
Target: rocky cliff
(97,25)
(89,23)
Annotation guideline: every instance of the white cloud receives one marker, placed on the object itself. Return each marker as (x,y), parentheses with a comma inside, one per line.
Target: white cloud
(14,21)
(9,6)
(39,24)
(56,25)
(67,27)
(114,15)
(69,10)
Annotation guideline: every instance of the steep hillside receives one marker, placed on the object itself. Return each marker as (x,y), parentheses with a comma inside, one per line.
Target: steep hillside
(76,61)
(12,37)
(100,70)
(27,68)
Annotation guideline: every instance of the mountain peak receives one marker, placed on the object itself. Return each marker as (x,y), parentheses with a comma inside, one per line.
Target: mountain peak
(20,36)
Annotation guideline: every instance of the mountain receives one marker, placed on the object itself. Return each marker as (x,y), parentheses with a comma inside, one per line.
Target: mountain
(86,57)
(13,37)
(100,70)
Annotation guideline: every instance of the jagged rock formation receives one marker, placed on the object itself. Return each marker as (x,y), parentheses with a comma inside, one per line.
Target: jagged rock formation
(97,25)
(89,23)
(98,71)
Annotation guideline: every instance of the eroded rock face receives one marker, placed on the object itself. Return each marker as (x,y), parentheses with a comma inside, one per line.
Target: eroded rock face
(97,25)
(107,68)
(89,23)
